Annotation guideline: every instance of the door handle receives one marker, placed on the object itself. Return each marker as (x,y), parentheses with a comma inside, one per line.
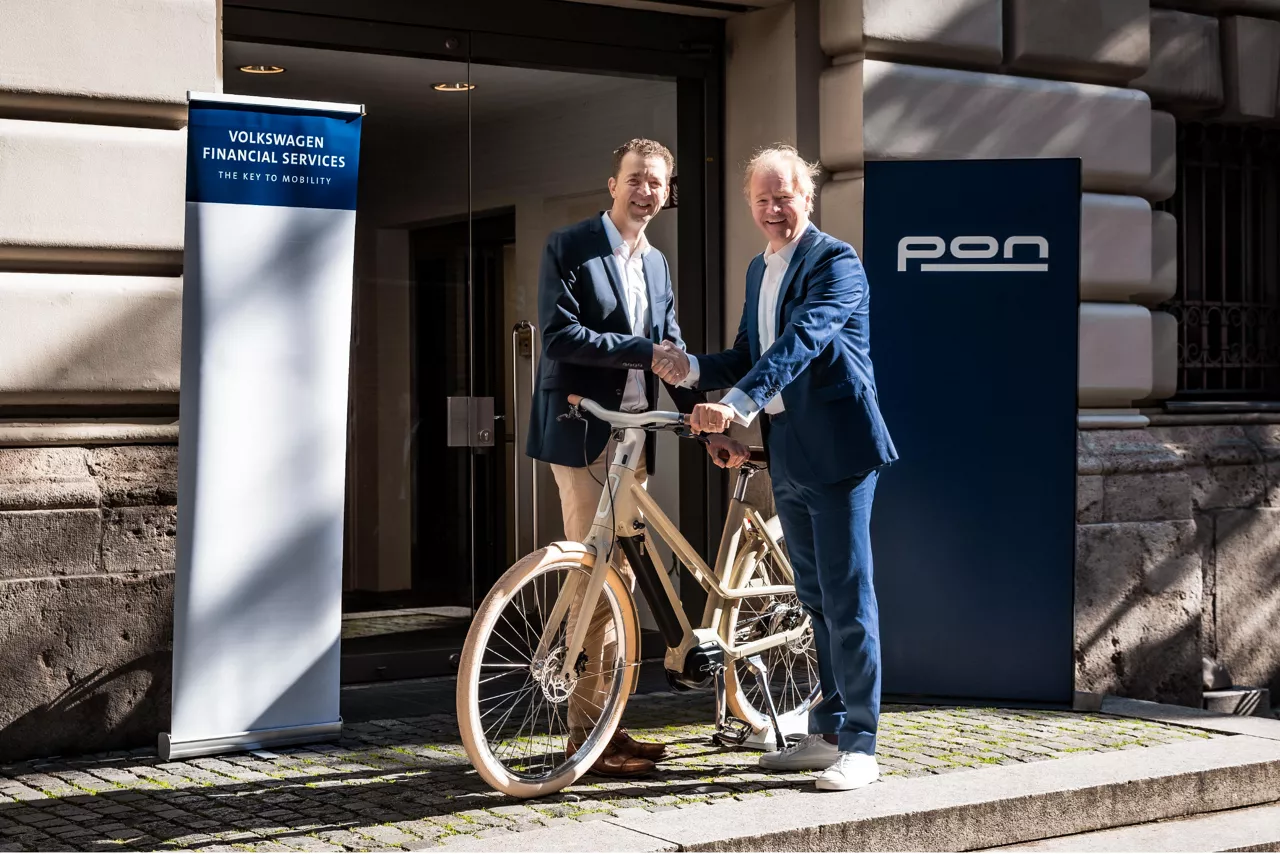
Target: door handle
(521,329)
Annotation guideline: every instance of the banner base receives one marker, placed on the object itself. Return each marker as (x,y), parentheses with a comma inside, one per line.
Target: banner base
(253,740)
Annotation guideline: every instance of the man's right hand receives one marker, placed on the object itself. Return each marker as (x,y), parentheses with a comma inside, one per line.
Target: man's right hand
(670,363)
(711,418)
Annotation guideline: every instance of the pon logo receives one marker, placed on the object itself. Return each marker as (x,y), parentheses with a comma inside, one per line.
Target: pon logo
(973,254)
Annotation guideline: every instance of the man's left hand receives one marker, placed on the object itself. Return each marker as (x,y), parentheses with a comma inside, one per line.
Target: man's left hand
(735,453)
(711,418)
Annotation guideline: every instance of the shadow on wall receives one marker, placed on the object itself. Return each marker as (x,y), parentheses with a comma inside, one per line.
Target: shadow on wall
(948,113)
(86,645)
(288,527)
(139,341)
(1153,575)
(61,698)
(148,335)
(1240,544)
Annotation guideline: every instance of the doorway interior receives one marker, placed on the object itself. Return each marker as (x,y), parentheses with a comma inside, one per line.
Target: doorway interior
(466,166)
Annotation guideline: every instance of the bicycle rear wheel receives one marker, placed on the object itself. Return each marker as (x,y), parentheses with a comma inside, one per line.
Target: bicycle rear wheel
(792,666)
(518,718)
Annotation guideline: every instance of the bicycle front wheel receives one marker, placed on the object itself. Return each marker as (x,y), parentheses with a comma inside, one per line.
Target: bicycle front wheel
(527,730)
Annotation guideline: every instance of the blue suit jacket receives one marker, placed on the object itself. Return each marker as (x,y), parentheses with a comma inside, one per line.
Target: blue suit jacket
(820,361)
(587,343)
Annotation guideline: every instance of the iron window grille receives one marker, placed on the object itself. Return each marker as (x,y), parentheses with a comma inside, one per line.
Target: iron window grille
(1228,299)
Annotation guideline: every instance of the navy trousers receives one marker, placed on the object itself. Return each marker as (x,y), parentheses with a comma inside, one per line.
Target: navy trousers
(828,539)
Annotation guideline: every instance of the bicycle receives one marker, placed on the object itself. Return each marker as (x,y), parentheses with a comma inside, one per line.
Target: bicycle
(537,703)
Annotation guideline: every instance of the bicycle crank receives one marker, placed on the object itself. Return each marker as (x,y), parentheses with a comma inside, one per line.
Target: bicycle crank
(730,731)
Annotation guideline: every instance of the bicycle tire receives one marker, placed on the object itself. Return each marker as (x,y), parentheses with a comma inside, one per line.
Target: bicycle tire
(571,557)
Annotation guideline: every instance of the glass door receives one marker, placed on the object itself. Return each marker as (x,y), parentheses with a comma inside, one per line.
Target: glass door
(420,533)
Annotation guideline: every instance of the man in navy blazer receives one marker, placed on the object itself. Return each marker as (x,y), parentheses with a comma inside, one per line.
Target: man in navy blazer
(802,358)
(605,304)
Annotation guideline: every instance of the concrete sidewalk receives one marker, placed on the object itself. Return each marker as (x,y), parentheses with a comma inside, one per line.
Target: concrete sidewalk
(406,783)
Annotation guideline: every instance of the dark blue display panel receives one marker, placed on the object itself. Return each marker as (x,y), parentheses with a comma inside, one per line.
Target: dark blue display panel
(974,275)
(251,154)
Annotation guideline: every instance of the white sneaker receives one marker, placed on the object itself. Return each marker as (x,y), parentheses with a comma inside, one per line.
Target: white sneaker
(849,771)
(811,753)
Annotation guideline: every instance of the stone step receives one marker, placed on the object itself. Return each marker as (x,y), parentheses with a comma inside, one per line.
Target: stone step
(1239,700)
(1251,829)
(960,811)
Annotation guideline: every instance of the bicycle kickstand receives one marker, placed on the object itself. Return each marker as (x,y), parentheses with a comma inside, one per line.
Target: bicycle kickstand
(756,663)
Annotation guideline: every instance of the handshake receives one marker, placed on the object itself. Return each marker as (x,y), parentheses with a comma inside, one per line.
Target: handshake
(670,363)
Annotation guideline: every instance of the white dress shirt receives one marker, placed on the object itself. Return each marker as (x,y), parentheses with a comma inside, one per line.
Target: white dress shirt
(775,270)
(629,265)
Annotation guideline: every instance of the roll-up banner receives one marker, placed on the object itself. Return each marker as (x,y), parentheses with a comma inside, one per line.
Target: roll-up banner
(266,331)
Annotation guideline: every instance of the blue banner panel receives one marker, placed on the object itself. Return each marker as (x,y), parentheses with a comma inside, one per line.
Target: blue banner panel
(260,155)
(974,269)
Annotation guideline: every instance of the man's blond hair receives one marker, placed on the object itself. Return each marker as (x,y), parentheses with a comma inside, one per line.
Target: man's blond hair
(784,160)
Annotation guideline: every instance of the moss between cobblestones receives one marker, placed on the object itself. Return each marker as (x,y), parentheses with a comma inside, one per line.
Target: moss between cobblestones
(402,780)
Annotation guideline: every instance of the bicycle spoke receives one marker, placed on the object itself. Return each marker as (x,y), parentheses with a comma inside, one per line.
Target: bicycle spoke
(501,696)
(792,675)
(499,676)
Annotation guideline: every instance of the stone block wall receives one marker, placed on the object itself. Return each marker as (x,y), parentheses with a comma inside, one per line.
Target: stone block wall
(92,117)
(87,541)
(915,79)
(1186,63)
(1215,60)
(1139,584)
(1106,81)
(1097,42)
(1178,557)
(1233,484)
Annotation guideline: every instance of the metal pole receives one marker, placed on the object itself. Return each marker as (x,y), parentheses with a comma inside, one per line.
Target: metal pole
(535,348)
(515,426)
(516,331)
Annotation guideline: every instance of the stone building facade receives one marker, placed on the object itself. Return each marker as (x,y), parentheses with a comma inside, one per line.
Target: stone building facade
(1177,537)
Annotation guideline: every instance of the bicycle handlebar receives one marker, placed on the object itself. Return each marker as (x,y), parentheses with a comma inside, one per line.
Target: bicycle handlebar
(640,420)
(656,420)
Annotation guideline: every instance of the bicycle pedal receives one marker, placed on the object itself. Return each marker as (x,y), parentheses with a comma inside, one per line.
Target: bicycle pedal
(733,733)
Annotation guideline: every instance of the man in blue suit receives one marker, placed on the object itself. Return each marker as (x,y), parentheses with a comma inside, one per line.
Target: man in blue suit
(605,304)
(802,358)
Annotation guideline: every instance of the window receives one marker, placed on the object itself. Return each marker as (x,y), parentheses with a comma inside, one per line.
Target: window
(1228,299)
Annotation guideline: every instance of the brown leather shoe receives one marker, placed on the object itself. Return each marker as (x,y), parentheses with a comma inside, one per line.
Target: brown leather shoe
(651,750)
(616,763)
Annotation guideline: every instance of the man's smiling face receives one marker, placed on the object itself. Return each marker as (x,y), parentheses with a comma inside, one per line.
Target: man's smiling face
(780,209)
(639,189)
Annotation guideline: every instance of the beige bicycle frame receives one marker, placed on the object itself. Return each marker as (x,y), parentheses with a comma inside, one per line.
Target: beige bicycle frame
(624,510)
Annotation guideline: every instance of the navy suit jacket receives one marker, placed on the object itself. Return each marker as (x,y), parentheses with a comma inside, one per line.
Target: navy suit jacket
(820,361)
(588,346)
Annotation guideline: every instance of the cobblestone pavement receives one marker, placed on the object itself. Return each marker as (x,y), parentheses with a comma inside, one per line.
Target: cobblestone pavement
(406,784)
